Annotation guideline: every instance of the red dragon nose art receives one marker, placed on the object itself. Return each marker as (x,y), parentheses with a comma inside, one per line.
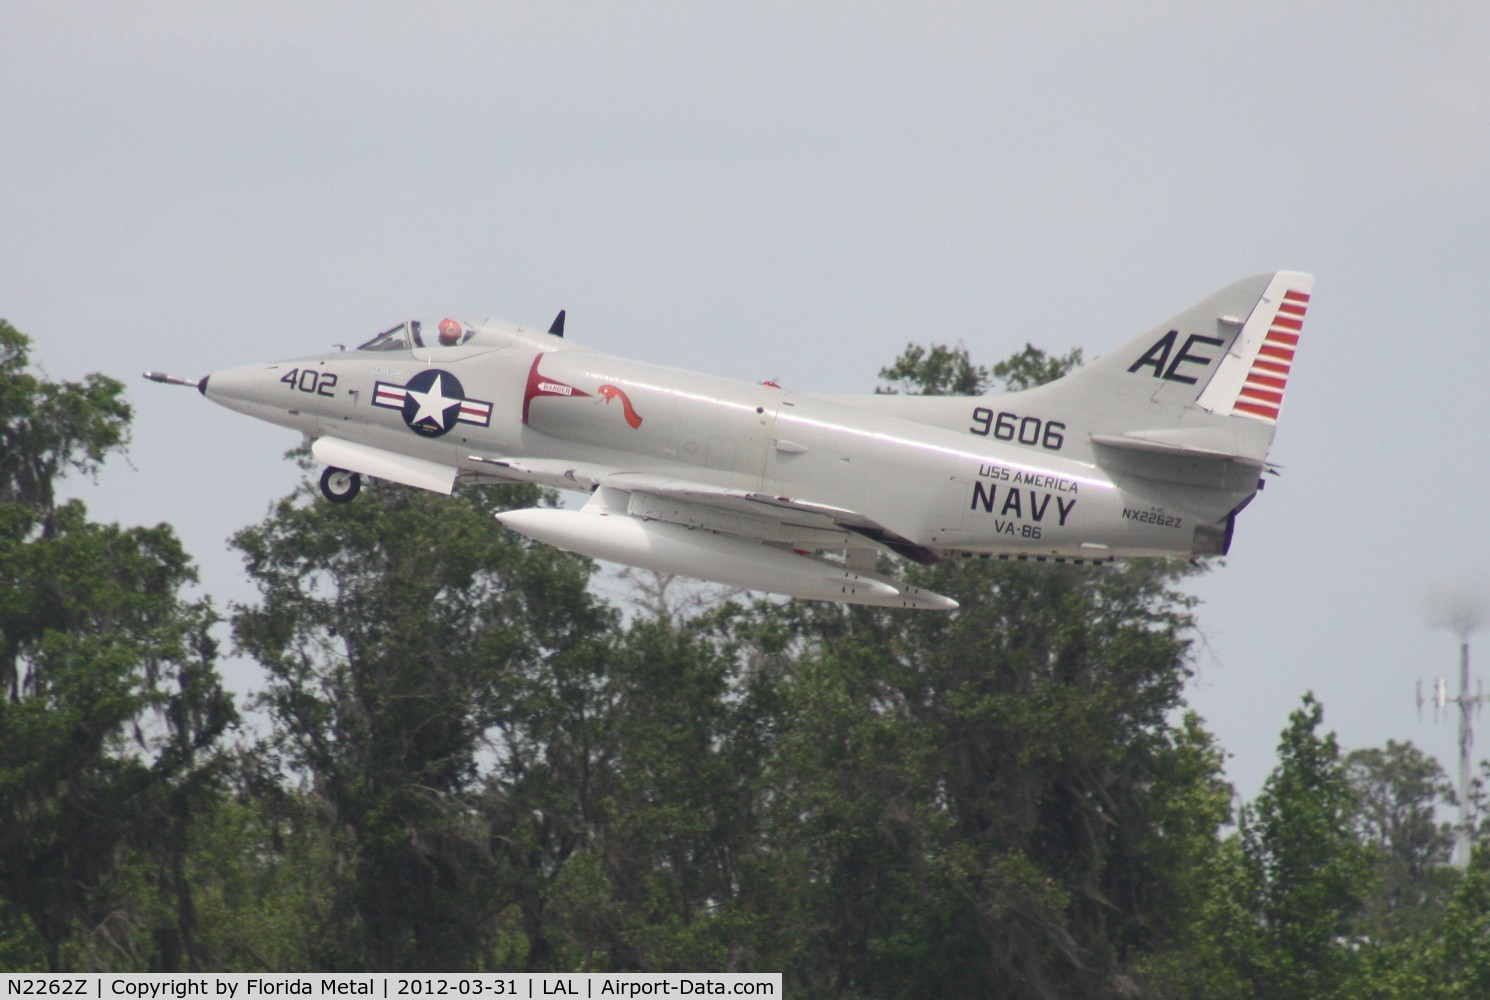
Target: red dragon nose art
(610,392)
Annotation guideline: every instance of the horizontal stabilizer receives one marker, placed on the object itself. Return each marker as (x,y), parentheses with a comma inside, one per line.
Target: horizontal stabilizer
(1187,457)
(1177,443)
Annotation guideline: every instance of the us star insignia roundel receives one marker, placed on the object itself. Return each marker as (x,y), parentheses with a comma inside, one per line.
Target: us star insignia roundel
(432,403)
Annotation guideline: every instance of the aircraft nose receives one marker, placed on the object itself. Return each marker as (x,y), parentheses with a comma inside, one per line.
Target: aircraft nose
(232,385)
(240,389)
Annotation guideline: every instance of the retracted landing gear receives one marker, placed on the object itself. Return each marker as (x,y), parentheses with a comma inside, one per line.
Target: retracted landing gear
(340,486)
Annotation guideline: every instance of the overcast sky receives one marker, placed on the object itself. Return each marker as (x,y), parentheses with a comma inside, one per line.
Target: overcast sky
(771,191)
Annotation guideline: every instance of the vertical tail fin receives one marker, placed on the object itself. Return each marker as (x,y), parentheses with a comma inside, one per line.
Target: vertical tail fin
(1205,355)
(1251,378)
(1186,412)
(1207,381)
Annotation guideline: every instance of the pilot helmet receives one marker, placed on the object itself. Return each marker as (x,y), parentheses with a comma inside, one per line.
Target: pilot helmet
(450,332)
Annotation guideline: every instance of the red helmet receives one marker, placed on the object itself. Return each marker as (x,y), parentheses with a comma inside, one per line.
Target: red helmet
(450,331)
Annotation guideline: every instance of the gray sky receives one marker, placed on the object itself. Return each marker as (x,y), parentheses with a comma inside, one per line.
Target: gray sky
(768,191)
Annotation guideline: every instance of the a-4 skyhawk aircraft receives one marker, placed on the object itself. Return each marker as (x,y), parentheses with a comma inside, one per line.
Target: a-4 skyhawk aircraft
(1152,450)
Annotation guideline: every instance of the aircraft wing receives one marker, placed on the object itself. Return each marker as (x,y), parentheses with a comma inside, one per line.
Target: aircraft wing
(768,517)
(554,472)
(749,513)
(745,538)
(751,539)
(778,518)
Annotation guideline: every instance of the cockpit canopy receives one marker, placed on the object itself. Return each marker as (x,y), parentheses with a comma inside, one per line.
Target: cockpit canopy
(417,333)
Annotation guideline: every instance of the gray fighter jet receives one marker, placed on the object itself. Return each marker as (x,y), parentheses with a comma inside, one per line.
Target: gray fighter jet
(1151,450)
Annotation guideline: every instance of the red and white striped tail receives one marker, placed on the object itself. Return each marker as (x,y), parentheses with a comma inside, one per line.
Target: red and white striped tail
(1252,378)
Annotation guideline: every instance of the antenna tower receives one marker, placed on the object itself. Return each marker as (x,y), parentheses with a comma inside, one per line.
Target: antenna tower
(1469,707)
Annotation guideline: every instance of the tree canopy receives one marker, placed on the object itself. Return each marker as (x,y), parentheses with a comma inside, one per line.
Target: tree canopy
(112,710)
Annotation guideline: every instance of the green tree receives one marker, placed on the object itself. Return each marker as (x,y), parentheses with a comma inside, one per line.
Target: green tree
(1282,897)
(994,801)
(48,429)
(665,879)
(1459,967)
(1212,957)
(1311,873)
(411,647)
(263,871)
(1448,960)
(1399,790)
(112,708)
(939,370)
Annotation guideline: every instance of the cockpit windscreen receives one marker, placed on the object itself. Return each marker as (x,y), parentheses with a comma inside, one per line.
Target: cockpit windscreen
(420,333)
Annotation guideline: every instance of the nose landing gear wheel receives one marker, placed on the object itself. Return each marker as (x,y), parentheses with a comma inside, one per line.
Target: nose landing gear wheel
(340,486)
